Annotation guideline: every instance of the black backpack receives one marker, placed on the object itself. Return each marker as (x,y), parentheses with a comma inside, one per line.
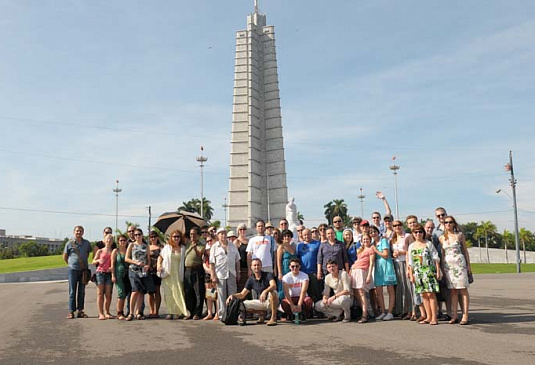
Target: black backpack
(233,312)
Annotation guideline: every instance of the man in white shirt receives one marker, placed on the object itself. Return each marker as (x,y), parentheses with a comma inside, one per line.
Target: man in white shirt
(262,247)
(295,285)
(224,268)
(339,303)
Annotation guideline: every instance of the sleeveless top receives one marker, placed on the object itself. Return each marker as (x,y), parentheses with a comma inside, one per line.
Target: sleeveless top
(154,260)
(139,253)
(106,256)
(120,264)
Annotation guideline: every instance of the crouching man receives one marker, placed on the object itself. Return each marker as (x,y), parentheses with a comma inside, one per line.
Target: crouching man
(339,304)
(265,286)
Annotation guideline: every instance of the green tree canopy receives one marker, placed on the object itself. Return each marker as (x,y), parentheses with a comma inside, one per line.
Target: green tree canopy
(194,206)
(336,207)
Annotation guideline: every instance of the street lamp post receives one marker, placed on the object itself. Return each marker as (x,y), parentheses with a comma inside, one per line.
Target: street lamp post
(361,197)
(512,180)
(225,206)
(116,191)
(201,160)
(395,169)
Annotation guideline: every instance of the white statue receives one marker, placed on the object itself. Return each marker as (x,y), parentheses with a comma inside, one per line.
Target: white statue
(291,217)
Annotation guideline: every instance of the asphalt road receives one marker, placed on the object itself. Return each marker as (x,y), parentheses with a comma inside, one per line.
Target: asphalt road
(34,331)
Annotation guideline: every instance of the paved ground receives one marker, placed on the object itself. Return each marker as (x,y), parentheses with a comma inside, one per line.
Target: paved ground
(34,331)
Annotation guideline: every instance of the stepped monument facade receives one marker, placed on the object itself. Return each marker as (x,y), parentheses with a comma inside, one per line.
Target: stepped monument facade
(257,182)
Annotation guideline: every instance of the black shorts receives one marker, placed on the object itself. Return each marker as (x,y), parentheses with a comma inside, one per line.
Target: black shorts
(141,284)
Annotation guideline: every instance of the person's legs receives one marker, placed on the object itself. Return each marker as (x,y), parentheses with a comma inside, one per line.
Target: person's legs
(427,319)
(139,302)
(285,304)
(107,299)
(308,303)
(273,299)
(72,277)
(158,299)
(221,296)
(133,302)
(391,298)
(198,288)
(100,300)
(380,301)
(363,302)
(433,306)
(454,303)
(81,293)
(466,304)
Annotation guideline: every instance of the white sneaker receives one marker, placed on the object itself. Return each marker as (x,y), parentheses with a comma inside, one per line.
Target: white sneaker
(388,317)
(380,317)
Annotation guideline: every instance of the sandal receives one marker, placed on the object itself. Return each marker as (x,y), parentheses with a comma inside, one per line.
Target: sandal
(109,316)
(413,318)
(169,317)
(420,319)
(423,322)
(70,315)
(208,317)
(453,321)
(130,317)
(81,314)
(363,320)
(140,317)
(433,323)
(464,322)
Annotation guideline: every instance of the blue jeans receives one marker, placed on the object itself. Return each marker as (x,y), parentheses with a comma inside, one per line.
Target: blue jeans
(76,302)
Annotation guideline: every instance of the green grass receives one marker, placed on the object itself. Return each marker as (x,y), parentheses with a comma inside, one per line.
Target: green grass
(31,263)
(500,268)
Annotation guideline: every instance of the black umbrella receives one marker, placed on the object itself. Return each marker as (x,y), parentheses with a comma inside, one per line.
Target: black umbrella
(182,220)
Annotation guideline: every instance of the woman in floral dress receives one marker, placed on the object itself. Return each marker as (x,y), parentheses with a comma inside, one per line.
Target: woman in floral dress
(424,272)
(456,267)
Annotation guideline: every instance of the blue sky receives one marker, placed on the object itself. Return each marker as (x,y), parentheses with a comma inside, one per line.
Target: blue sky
(92,91)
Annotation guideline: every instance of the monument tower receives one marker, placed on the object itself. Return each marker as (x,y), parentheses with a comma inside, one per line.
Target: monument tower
(257,183)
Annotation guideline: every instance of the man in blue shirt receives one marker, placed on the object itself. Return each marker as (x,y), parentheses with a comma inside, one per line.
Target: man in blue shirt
(75,255)
(307,253)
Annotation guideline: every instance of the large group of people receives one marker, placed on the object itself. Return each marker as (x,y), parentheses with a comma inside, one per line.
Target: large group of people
(329,272)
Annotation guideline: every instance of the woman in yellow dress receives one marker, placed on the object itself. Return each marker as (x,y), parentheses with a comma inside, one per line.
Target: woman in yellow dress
(171,269)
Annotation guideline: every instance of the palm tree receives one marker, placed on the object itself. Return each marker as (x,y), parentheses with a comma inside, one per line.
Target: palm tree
(194,206)
(334,208)
(524,235)
(506,237)
(484,230)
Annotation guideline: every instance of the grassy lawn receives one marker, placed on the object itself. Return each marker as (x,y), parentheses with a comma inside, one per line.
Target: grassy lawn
(501,268)
(31,263)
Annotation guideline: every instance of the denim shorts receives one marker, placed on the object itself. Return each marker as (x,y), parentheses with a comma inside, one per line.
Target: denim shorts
(103,278)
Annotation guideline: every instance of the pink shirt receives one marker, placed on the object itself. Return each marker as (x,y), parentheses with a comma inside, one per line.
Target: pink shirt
(363,259)
(106,256)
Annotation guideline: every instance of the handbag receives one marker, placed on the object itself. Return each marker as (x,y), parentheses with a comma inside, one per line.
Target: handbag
(470,278)
(86,273)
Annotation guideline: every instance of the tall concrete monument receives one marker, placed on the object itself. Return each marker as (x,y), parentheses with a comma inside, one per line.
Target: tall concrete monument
(257,186)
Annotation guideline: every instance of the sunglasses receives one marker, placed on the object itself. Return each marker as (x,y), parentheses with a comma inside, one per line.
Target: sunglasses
(376,217)
(322,229)
(177,236)
(314,231)
(397,225)
(138,234)
(204,232)
(337,221)
(153,237)
(448,222)
(441,215)
(418,232)
(294,266)
(107,232)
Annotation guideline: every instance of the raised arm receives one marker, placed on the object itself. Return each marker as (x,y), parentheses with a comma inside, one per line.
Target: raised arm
(381,196)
